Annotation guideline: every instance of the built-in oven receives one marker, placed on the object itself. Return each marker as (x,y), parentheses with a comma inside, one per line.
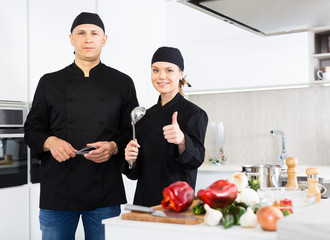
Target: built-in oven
(13,149)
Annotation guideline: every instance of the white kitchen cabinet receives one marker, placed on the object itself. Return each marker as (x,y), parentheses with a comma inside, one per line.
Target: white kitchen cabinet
(222,56)
(49,28)
(248,62)
(35,232)
(14,213)
(13,58)
(135,29)
(209,173)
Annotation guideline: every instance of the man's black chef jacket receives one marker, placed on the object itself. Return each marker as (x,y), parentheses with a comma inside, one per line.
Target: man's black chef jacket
(81,110)
(159,164)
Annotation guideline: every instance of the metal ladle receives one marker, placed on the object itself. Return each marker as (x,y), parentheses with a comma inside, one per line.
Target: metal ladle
(136,114)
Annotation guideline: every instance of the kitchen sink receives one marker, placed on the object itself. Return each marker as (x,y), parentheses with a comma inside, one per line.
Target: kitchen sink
(303,184)
(299,179)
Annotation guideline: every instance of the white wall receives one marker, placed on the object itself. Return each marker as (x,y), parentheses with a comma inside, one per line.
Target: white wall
(248,117)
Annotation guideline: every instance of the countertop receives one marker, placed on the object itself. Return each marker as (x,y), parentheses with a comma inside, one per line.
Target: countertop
(228,168)
(310,222)
(116,228)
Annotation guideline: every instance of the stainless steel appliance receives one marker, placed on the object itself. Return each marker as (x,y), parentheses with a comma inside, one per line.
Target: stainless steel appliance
(13,149)
(268,17)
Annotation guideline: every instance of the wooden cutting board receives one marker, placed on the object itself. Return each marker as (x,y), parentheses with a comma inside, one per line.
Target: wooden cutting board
(149,218)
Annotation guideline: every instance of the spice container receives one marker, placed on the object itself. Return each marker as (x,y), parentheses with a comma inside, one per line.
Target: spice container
(312,178)
(292,162)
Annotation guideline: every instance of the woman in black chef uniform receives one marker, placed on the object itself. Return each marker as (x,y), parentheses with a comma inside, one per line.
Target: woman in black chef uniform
(169,144)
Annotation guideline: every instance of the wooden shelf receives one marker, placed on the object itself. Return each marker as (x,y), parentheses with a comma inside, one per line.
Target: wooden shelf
(322,83)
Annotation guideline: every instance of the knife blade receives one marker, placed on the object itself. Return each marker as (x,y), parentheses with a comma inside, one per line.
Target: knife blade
(85,150)
(157,213)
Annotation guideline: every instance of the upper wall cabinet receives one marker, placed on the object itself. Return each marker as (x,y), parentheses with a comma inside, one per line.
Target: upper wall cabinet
(13,58)
(248,62)
(50,47)
(221,56)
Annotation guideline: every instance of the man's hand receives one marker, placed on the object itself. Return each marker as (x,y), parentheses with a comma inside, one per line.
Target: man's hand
(173,134)
(60,149)
(103,152)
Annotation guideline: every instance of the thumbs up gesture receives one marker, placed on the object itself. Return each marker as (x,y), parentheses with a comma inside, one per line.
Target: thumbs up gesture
(172,132)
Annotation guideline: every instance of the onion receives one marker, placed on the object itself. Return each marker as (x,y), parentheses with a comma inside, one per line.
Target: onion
(267,217)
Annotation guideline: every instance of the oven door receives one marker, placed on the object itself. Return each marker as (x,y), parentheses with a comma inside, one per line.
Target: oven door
(13,160)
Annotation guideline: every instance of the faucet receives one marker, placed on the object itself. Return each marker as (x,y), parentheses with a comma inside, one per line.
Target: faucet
(282,156)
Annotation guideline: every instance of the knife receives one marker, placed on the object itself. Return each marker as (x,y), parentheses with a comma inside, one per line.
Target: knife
(85,150)
(157,213)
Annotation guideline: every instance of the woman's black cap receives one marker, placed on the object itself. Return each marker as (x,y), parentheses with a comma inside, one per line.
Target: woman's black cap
(168,54)
(87,18)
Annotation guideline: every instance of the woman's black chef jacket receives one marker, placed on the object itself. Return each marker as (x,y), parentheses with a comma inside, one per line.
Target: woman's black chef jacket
(159,164)
(81,110)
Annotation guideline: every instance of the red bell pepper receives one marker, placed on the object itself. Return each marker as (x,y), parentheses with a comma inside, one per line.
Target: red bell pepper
(178,196)
(286,204)
(219,195)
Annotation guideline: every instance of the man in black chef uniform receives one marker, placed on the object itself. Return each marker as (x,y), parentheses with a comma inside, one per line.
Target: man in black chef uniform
(85,104)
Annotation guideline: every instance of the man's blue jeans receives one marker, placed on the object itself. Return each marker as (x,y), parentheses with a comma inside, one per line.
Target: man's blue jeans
(62,225)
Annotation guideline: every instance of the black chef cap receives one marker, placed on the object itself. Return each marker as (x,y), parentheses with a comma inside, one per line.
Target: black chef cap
(87,18)
(168,54)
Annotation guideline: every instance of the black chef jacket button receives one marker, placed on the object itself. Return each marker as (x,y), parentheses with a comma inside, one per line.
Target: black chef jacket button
(100,122)
(70,99)
(70,121)
(102,99)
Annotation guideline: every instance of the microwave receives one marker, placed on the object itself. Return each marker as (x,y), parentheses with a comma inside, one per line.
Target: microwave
(12,115)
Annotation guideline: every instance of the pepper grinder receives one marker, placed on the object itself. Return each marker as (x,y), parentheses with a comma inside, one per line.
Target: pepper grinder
(292,162)
(312,178)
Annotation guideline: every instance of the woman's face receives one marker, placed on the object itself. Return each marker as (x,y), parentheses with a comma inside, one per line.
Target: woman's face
(165,78)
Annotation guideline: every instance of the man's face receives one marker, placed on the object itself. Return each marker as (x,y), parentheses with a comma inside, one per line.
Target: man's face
(88,40)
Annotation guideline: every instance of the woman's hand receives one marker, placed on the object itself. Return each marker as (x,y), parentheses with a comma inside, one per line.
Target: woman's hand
(173,134)
(103,152)
(132,151)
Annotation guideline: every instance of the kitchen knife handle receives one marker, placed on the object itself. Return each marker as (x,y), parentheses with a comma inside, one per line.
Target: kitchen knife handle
(138,208)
